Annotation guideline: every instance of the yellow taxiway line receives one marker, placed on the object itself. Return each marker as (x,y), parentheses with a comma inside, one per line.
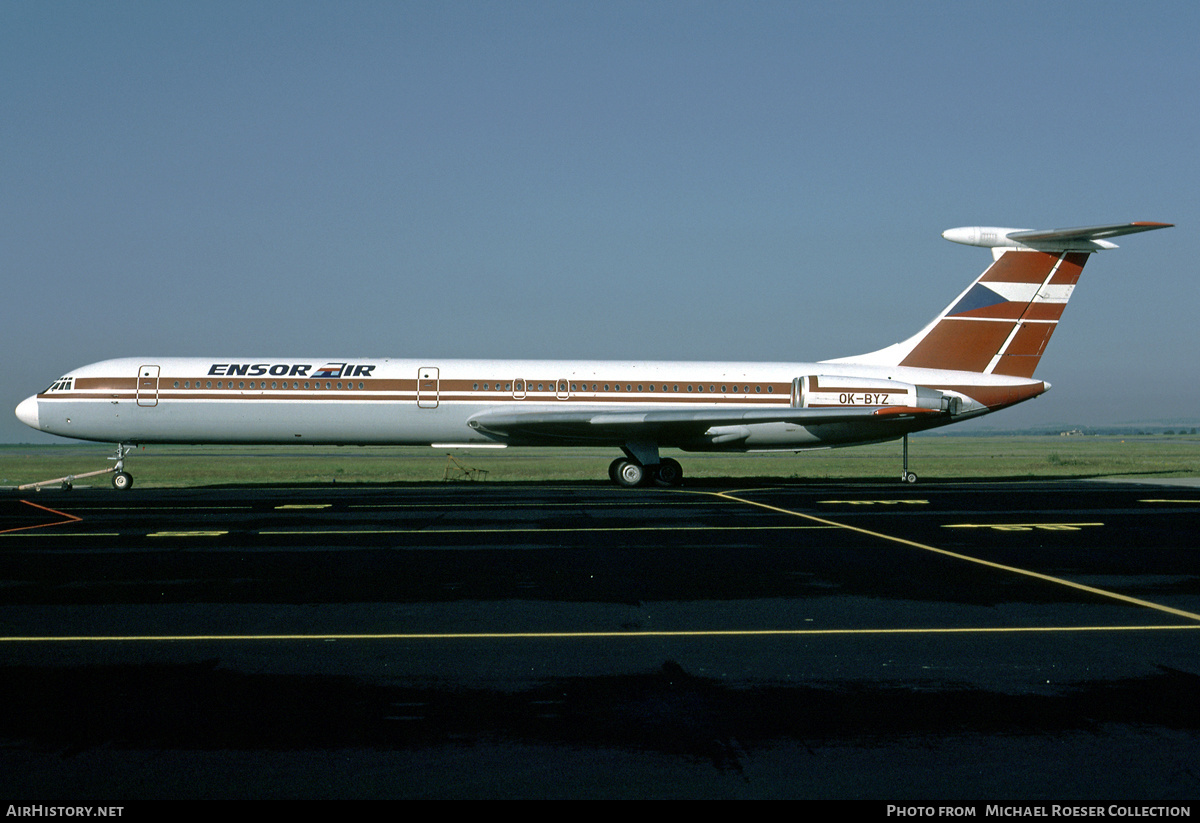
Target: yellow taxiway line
(1000,566)
(731,496)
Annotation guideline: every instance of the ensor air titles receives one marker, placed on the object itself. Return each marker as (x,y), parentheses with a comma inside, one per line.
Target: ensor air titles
(329,370)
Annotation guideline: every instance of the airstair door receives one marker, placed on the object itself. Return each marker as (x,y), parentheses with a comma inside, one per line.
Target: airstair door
(147,386)
(427,387)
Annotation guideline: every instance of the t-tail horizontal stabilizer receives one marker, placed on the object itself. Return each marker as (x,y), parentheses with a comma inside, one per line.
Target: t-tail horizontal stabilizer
(1086,238)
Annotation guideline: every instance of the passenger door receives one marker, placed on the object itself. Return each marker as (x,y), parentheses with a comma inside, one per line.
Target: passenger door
(427,387)
(147,386)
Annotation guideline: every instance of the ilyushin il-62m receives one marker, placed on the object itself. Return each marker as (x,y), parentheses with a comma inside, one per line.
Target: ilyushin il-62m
(977,356)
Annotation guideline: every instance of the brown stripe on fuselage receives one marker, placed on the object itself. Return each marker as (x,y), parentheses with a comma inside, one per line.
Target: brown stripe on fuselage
(405,391)
(473,386)
(988,395)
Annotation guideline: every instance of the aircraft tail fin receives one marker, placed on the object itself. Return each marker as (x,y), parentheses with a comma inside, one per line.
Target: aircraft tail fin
(1002,322)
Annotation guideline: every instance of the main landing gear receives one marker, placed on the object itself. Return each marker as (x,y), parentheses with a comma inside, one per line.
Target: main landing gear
(642,466)
(626,472)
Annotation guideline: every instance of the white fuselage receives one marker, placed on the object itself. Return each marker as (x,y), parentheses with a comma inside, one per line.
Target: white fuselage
(232,400)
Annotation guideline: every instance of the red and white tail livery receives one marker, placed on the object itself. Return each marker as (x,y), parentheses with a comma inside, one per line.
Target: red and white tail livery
(1002,322)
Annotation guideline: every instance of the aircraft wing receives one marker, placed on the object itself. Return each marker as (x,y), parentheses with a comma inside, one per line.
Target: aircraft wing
(676,424)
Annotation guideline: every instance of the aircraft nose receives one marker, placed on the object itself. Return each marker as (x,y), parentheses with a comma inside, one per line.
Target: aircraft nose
(27,411)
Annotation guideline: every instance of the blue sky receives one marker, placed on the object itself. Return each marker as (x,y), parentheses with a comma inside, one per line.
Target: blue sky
(652,180)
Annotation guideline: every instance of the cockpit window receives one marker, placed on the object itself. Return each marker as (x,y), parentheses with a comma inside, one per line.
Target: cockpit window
(61,384)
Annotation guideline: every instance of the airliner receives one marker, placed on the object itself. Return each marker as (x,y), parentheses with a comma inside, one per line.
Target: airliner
(976,357)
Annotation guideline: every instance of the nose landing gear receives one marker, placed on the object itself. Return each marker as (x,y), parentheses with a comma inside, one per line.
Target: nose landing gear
(121,480)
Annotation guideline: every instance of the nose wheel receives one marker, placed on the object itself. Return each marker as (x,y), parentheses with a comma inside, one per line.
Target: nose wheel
(121,479)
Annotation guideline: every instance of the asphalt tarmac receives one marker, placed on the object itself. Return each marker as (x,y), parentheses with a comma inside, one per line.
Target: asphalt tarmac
(942,641)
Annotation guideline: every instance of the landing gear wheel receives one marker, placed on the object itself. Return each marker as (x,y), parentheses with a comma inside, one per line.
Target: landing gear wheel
(670,473)
(908,477)
(627,473)
(122,481)
(615,467)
